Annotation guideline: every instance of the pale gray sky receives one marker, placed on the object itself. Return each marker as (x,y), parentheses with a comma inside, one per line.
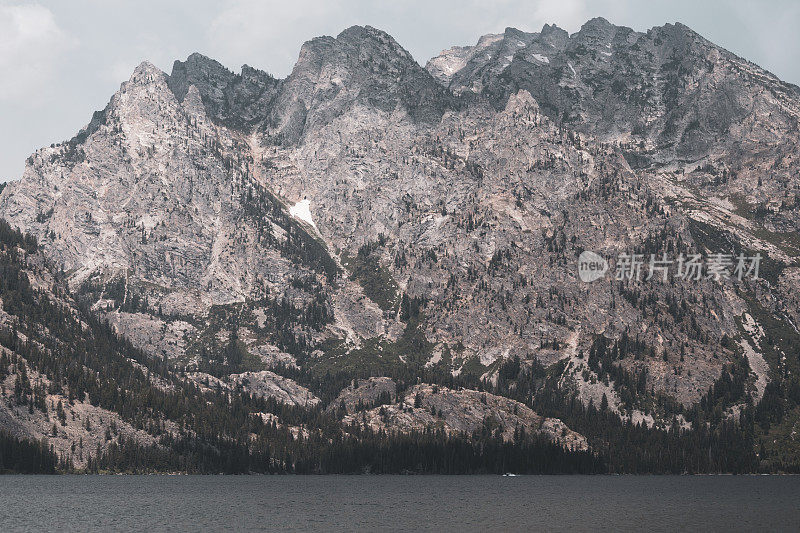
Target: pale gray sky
(61,60)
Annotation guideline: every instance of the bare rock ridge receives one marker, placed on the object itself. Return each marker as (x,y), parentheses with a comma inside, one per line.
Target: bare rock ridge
(237,100)
(681,97)
(464,411)
(369,218)
(361,65)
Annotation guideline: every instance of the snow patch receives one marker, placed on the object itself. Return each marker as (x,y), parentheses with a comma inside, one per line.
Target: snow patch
(302,211)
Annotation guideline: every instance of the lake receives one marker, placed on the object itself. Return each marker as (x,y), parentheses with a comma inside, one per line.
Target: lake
(394,503)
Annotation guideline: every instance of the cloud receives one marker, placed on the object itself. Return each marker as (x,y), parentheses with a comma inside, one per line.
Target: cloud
(568,14)
(31,44)
(149,46)
(270,33)
(774,30)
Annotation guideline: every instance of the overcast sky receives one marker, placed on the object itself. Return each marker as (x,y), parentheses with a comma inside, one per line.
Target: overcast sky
(60,60)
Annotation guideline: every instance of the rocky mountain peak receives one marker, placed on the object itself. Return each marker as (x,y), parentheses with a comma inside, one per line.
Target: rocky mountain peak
(239,101)
(146,73)
(598,35)
(370,216)
(514,33)
(208,75)
(361,66)
(374,40)
(355,47)
(597,24)
(554,36)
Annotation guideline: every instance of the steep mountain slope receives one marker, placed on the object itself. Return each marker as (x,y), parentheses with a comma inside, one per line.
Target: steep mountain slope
(151,211)
(674,102)
(366,217)
(711,135)
(68,380)
(81,398)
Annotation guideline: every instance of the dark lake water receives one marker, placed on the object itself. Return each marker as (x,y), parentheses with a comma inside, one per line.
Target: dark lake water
(398,503)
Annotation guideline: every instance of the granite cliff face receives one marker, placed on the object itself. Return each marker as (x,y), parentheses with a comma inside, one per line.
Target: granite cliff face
(366,215)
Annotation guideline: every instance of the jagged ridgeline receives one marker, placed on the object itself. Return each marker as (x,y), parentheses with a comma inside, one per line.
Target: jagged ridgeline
(372,266)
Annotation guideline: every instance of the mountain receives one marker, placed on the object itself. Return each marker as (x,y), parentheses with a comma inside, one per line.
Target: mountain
(367,222)
(670,99)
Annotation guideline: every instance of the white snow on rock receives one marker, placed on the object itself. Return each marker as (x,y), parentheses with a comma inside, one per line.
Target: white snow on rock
(302,210)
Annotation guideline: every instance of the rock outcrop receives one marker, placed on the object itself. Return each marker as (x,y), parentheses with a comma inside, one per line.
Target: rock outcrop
(464,411)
